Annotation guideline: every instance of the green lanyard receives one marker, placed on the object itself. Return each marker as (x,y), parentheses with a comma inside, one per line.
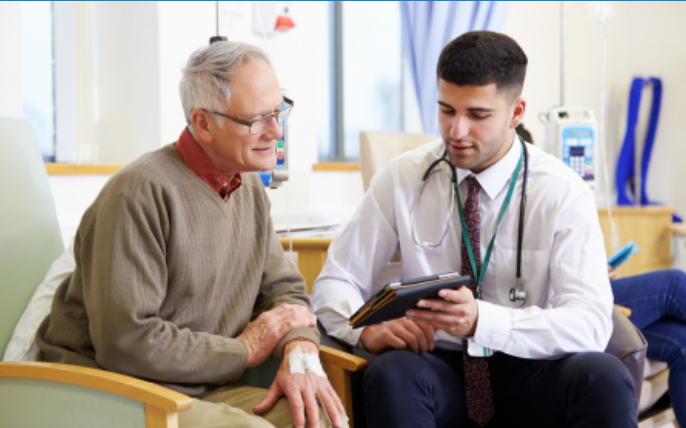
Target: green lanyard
(465,235)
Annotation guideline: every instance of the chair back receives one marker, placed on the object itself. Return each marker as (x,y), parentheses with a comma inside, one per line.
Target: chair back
(30,238)
(377,148)
(629,346)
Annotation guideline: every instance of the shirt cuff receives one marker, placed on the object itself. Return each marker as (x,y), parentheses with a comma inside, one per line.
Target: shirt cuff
(309,333)
(493,326)
(236,366)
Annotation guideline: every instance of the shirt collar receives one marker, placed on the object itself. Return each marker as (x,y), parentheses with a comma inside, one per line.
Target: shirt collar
(494,178)
(197,161)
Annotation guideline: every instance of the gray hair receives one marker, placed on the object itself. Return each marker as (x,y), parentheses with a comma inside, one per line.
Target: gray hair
(207,76)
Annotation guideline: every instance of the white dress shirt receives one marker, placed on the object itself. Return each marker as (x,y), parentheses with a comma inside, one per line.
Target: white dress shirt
(564,269)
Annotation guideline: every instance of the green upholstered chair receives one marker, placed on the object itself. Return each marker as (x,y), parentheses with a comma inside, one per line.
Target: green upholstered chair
(43,394)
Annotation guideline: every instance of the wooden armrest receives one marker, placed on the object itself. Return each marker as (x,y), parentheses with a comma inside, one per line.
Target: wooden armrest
(625,311)
(338,366)
(126,386)
(342,359)
(677,229)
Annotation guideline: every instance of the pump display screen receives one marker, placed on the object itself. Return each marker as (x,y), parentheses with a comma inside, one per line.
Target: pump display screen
(579,133)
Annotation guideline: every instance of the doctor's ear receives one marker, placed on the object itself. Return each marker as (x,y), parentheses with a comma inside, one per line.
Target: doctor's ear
(518,110)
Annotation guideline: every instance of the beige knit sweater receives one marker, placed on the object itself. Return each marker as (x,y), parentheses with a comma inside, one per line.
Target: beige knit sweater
(167,276)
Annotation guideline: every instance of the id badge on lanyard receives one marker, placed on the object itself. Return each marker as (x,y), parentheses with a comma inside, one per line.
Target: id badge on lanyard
(474,350)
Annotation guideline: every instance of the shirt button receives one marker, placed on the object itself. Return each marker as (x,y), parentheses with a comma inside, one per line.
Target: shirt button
(226,184)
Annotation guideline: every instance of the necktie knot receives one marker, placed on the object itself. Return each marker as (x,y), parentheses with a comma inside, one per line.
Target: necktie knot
(473,185)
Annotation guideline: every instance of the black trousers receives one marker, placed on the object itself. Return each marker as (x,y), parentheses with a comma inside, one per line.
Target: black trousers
(585,390)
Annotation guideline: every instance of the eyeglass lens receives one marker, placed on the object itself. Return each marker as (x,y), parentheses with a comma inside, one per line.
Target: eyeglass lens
(260,125)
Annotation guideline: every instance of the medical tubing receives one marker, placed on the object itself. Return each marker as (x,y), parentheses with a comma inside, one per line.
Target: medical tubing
(563,32)
(614,234)
(522,205)
(288,222)
(259,21)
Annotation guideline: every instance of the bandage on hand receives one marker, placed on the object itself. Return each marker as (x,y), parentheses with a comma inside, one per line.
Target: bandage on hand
(309,365)
(300,362)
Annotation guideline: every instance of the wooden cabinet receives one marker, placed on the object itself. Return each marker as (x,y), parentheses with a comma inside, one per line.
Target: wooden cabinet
(312,253)
(649,228)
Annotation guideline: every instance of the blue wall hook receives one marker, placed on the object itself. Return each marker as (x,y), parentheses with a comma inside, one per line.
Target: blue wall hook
(625,176)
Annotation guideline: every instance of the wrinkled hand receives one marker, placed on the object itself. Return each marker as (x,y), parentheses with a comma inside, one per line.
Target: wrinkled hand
(612,273)
(400,333)
(264,334)
(301,394)
(456,313)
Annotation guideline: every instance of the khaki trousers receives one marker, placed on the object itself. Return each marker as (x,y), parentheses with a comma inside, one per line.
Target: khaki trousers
(231,407)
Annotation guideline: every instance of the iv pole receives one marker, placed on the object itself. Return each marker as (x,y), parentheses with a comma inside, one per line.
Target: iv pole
(563,23)
(217,38)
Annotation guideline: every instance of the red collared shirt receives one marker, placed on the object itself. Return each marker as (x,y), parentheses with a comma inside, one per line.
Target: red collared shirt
(195,159)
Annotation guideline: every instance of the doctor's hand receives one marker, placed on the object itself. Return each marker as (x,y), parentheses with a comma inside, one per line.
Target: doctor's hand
(612,273)
(263,335)
(400,333)
(302,390)
(456,313)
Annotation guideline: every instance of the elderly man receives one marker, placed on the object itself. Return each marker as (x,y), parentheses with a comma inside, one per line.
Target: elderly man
(178,254)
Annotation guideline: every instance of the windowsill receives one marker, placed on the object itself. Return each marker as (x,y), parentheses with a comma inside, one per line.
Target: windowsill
(336,166)
(81,169)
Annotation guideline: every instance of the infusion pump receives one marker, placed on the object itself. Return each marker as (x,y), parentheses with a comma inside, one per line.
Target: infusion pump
(571,135)
(279,174)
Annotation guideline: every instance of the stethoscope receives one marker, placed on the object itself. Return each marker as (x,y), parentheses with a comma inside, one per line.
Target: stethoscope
(517,293)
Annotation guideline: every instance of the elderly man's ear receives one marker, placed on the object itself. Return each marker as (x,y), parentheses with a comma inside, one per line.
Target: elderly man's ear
(203,125)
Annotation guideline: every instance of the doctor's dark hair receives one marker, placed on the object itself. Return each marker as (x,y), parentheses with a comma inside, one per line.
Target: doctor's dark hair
(479,58)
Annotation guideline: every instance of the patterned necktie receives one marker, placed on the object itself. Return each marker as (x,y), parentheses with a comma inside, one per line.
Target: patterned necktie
(477,379)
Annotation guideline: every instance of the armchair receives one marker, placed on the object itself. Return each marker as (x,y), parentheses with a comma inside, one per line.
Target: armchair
(59,395)
(42,394)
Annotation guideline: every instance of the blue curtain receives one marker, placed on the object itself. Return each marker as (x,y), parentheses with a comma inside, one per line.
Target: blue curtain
(427,27)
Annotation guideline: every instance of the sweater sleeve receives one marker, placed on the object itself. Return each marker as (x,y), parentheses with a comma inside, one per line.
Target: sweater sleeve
(282,283)
(124,269)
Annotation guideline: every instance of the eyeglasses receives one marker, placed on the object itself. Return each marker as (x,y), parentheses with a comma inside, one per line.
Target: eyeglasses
(258,126)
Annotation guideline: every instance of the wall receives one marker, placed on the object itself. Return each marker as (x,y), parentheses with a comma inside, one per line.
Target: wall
(127,72)
(638,42)
(642,39)
(139,107)
(308,196)
(11,102)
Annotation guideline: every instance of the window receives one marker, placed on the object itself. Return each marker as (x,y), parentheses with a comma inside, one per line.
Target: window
(38,73)
(364,77)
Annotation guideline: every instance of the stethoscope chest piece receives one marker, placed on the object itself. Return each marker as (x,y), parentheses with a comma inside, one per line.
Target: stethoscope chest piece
(518,294)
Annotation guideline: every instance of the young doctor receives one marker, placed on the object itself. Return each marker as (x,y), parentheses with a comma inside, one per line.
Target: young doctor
(474,357)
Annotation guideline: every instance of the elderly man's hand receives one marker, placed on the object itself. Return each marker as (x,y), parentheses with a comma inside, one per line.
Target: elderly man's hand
(264,334)
(456,313)
(301,393)
(398,334)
